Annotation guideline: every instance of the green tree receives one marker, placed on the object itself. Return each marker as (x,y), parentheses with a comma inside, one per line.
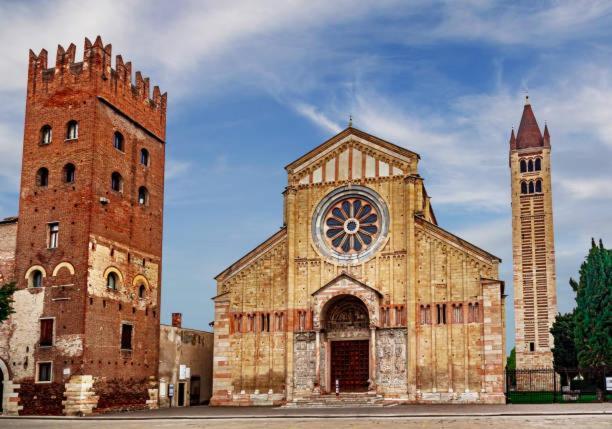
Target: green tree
(593,313)
(511,360)
(6,301)
(564,351)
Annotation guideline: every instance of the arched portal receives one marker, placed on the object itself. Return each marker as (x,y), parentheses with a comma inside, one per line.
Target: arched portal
(4,377)
(346,323)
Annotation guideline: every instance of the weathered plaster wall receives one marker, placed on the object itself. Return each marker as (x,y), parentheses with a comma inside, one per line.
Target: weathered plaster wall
(8,244)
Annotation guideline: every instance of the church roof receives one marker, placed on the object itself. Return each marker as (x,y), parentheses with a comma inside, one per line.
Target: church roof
(529,134)
(344,134)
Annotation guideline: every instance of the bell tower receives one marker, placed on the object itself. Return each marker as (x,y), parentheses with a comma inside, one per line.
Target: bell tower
(533,248)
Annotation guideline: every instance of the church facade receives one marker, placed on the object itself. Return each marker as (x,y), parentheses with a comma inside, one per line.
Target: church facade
(360,291)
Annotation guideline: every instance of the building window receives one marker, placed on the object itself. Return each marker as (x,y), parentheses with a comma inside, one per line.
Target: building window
(265,323)
(116,182)
(441,316)
(523,166)
(46,332)
(53,235)
(142,292)
(126,336)
(531,188)
(69,173)
(238,323)
(530,165)
(523,187)
(46,134)
(425,315)
(473,313)
(458,313)
(532,347)
(112,281)
(144,157)
(538,186)
(118,141)
(36,278)
(72,130)
(399,316)
(42,177)
(280,322)
(302,320)
(44,372)
(143,196)
(538,164)
(251,323)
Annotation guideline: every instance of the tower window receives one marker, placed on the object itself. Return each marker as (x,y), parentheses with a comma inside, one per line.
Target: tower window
(142,292)
(538,164)
(425,315)
(532,347)
(72,130)
(531,188)
(523,188)
(458,313)
(112,281)
(118,141)
(46,333)
(523,166)
(42,177)
(538,186)
(36,278)
(530,165)
(441,314)
(44,372)
(69,173)
(116,182)
(144,157)
(46,134)
(126,336)
(53,235)
(143,196)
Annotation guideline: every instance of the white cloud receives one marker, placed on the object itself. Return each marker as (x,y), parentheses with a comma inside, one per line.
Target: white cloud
(318,118)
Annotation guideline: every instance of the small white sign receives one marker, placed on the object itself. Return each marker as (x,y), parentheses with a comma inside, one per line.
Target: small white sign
(182,372)
(609,383)
(66,371)
(163,389)
(188,374)
(171,390)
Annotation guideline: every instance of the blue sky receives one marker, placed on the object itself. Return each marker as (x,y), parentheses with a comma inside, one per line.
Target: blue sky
(254,85)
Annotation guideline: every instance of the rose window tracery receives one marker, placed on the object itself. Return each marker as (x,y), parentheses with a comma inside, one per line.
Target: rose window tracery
(351,225)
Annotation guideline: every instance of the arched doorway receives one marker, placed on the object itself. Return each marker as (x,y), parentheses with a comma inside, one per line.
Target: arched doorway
(4,377)
(346,323)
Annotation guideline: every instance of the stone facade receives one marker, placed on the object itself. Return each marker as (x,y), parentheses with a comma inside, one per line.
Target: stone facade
(89,237)
(192,349)
(533,248)
(428,304)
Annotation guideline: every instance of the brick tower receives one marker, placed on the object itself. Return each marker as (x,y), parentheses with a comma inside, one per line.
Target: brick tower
(89,239)
(533,245)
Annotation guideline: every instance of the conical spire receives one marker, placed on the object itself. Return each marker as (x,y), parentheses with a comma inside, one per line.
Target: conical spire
(528,134)
(512,140)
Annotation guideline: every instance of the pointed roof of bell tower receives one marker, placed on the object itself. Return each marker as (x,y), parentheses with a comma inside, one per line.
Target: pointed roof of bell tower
(529,134)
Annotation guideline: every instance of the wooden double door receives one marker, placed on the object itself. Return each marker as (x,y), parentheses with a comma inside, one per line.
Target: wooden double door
(350,365)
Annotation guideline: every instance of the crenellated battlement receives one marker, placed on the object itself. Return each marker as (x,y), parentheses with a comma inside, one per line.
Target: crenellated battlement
(95,74)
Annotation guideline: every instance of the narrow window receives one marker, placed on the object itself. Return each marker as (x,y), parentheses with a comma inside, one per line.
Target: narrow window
(538,164)
(523,166)
(531,189)
(538,187)
(530,165)
(239,323)
(36,278)
(118,142)
(458,313)
(44,372)
(251,325)
(532,347)
(523,188)
(143,196)
(53,235)
(476,307)
(142,292)
(46,134)
(42,177)
(441,316)
(69,173)
(126,336)
(116,182)
(46,332)
(72,130)
(144,157)
(424,314)
(470,313)
(112,281)
(398,316)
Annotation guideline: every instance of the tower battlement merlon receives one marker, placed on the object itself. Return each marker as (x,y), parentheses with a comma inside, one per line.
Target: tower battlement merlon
(95,72)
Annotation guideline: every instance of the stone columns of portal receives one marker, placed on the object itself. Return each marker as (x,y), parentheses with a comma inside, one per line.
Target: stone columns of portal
(318,361)
(372,385)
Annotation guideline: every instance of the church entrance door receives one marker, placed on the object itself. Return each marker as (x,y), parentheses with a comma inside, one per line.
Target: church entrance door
(350,365)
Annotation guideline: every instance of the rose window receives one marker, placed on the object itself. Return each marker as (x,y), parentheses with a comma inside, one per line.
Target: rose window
(351,225)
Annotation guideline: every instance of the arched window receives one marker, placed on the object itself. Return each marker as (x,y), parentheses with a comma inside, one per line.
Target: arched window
(144,157)
(531,189)
(530,165)
(523,188)
(36,278)
(118,141)
(143,196)
(538,164)
(72,130)
(42,177)
(142,290)
(116,182)
(523,166)
(112,281)
(69,173)
(538,186)
(46,134)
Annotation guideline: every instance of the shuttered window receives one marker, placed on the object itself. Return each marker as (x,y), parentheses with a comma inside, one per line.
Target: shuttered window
(46,332)
(126,337)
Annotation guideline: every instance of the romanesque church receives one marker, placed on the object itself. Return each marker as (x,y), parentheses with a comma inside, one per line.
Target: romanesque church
(359,291)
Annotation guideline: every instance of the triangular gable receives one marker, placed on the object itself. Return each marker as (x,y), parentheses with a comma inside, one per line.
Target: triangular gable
(351,155)
(353,280)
